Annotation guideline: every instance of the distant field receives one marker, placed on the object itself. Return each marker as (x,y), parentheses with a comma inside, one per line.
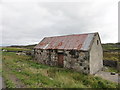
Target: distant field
(22,71)
(15,49)
(111,46)
(25,46)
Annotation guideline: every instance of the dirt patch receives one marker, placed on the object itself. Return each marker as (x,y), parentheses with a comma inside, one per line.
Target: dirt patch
(14,79)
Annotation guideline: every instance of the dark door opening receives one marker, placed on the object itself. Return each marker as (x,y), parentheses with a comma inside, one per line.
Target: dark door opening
(60,60)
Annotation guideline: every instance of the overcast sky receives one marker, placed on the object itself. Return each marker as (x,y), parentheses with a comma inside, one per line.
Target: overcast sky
(28,21)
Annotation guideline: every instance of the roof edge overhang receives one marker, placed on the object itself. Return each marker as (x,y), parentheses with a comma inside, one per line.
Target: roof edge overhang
(61,49)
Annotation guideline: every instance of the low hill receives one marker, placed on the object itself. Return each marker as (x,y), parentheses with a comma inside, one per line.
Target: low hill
(24,46)
(111,46)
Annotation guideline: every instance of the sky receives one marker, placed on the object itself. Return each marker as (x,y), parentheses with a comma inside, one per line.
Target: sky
(24,22)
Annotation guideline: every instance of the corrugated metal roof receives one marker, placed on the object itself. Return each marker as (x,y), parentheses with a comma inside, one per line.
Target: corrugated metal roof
(68,42)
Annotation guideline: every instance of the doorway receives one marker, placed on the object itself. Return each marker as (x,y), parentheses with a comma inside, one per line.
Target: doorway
(60,59)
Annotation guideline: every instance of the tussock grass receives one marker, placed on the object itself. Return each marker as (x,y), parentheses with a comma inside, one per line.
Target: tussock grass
(9,84)
(35,75)
(111,56)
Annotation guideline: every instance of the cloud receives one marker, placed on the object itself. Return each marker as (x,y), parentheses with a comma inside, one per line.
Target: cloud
(28,23)
(0,24)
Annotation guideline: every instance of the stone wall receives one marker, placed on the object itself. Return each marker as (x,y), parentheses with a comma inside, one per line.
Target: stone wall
(41,56)
(110,63)
(48,57)
(53,58)
(76,60)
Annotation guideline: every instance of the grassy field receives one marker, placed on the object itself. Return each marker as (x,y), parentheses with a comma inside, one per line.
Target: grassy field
(15,49)
(111,46)
(25,46)
(22,71)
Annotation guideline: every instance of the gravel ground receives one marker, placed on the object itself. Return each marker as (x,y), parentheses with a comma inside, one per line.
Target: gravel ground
(108,76)
(2,85)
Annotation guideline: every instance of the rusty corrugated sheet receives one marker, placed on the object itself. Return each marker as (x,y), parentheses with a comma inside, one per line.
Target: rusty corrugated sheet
(77,42)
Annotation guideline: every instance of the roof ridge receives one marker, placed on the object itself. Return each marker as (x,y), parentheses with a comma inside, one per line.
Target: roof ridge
(71,35)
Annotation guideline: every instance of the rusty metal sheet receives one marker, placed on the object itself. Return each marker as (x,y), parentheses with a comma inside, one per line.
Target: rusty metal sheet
(68,42)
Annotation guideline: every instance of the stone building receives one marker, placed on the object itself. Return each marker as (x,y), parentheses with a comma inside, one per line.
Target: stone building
(80,52)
